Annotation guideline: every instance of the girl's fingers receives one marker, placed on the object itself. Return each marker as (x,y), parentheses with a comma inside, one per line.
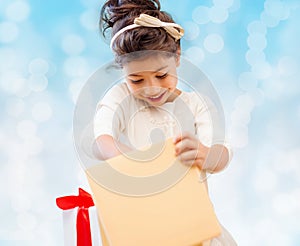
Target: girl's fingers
(185,145)
(191,157)
(182,136)
(188,163)
(187,156)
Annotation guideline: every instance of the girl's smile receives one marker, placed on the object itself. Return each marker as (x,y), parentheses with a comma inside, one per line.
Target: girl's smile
(156,98)
(153,79)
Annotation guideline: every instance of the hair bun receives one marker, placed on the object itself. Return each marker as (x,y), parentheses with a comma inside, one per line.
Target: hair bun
(115,10)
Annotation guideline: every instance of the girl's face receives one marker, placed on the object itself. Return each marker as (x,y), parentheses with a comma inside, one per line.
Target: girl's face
(153,79)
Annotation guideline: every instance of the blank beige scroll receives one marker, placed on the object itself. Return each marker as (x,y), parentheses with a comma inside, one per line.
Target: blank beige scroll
(180,215)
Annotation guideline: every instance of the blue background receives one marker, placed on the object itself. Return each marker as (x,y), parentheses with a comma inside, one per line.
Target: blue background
(248,49)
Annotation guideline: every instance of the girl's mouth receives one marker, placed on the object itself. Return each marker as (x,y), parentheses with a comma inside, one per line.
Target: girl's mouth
(156,98)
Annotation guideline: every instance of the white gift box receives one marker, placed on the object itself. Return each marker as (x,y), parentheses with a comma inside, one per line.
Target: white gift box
(69,226)
(80,220)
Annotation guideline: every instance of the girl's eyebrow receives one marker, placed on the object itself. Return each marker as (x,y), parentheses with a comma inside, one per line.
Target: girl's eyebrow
(152,72)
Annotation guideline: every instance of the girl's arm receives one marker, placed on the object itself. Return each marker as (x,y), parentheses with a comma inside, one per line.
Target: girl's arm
(191,151)
(106,147)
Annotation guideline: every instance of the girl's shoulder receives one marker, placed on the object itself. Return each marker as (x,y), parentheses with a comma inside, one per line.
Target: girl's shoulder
(119,89)
(198,102)
(192,98)
(117,93)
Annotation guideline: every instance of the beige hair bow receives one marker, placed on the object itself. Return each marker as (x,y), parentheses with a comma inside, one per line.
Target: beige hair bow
(173,29)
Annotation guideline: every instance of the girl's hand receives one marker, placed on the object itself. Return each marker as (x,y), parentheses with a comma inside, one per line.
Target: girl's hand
(189,150)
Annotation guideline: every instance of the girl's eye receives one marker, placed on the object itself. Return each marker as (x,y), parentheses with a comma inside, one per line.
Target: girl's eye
(162,76)
(136,81)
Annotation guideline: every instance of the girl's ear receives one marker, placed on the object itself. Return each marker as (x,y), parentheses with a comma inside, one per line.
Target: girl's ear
(178,54)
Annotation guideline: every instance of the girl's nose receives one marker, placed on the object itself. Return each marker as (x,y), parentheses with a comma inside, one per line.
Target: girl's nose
(153,82)
(152,90)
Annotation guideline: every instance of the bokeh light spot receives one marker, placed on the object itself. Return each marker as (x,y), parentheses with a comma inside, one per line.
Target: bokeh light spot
(257,41)
(89,19)
(41,111)
(254,56)
(244,102)
(26,129)
(256,26)
(11,82)
(38,82)
(277,9)
(235,6)
(73,44)
(76,66)
(201,15)
(9,32)
(195,54)
(191,30)
(262,70)
(213,43)
(218,14)
(38,66)
(15,107)
(268,20)
(18,11)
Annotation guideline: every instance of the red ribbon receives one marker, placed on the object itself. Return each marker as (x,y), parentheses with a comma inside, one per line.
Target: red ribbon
(83,201)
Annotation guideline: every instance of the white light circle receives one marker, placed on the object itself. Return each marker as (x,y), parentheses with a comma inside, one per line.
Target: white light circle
(239,136)
(257,27)
(76,66)
(18,11)
(253,56)
(41,111)
(8,59)
(191,30)
(213,43)
(201,15)
(9,32)
(38,82)
(38,66)
(240,117)
(277,9)
(269,21)
(11,82)
(262,70)
(218,14)
(74,88)
(33,145)
(235,6)
(244,102)
(15,107)
(257,96)
(195,54)
(73,44)
(89,19)
(26,129)
(257,41)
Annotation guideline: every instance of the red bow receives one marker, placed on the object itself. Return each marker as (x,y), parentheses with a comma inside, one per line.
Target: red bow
(83,201)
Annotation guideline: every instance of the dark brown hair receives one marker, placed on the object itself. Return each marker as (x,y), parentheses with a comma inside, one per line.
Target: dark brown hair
(117,14)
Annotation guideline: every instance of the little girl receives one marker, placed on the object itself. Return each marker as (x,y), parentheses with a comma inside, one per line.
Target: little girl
(146,45)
